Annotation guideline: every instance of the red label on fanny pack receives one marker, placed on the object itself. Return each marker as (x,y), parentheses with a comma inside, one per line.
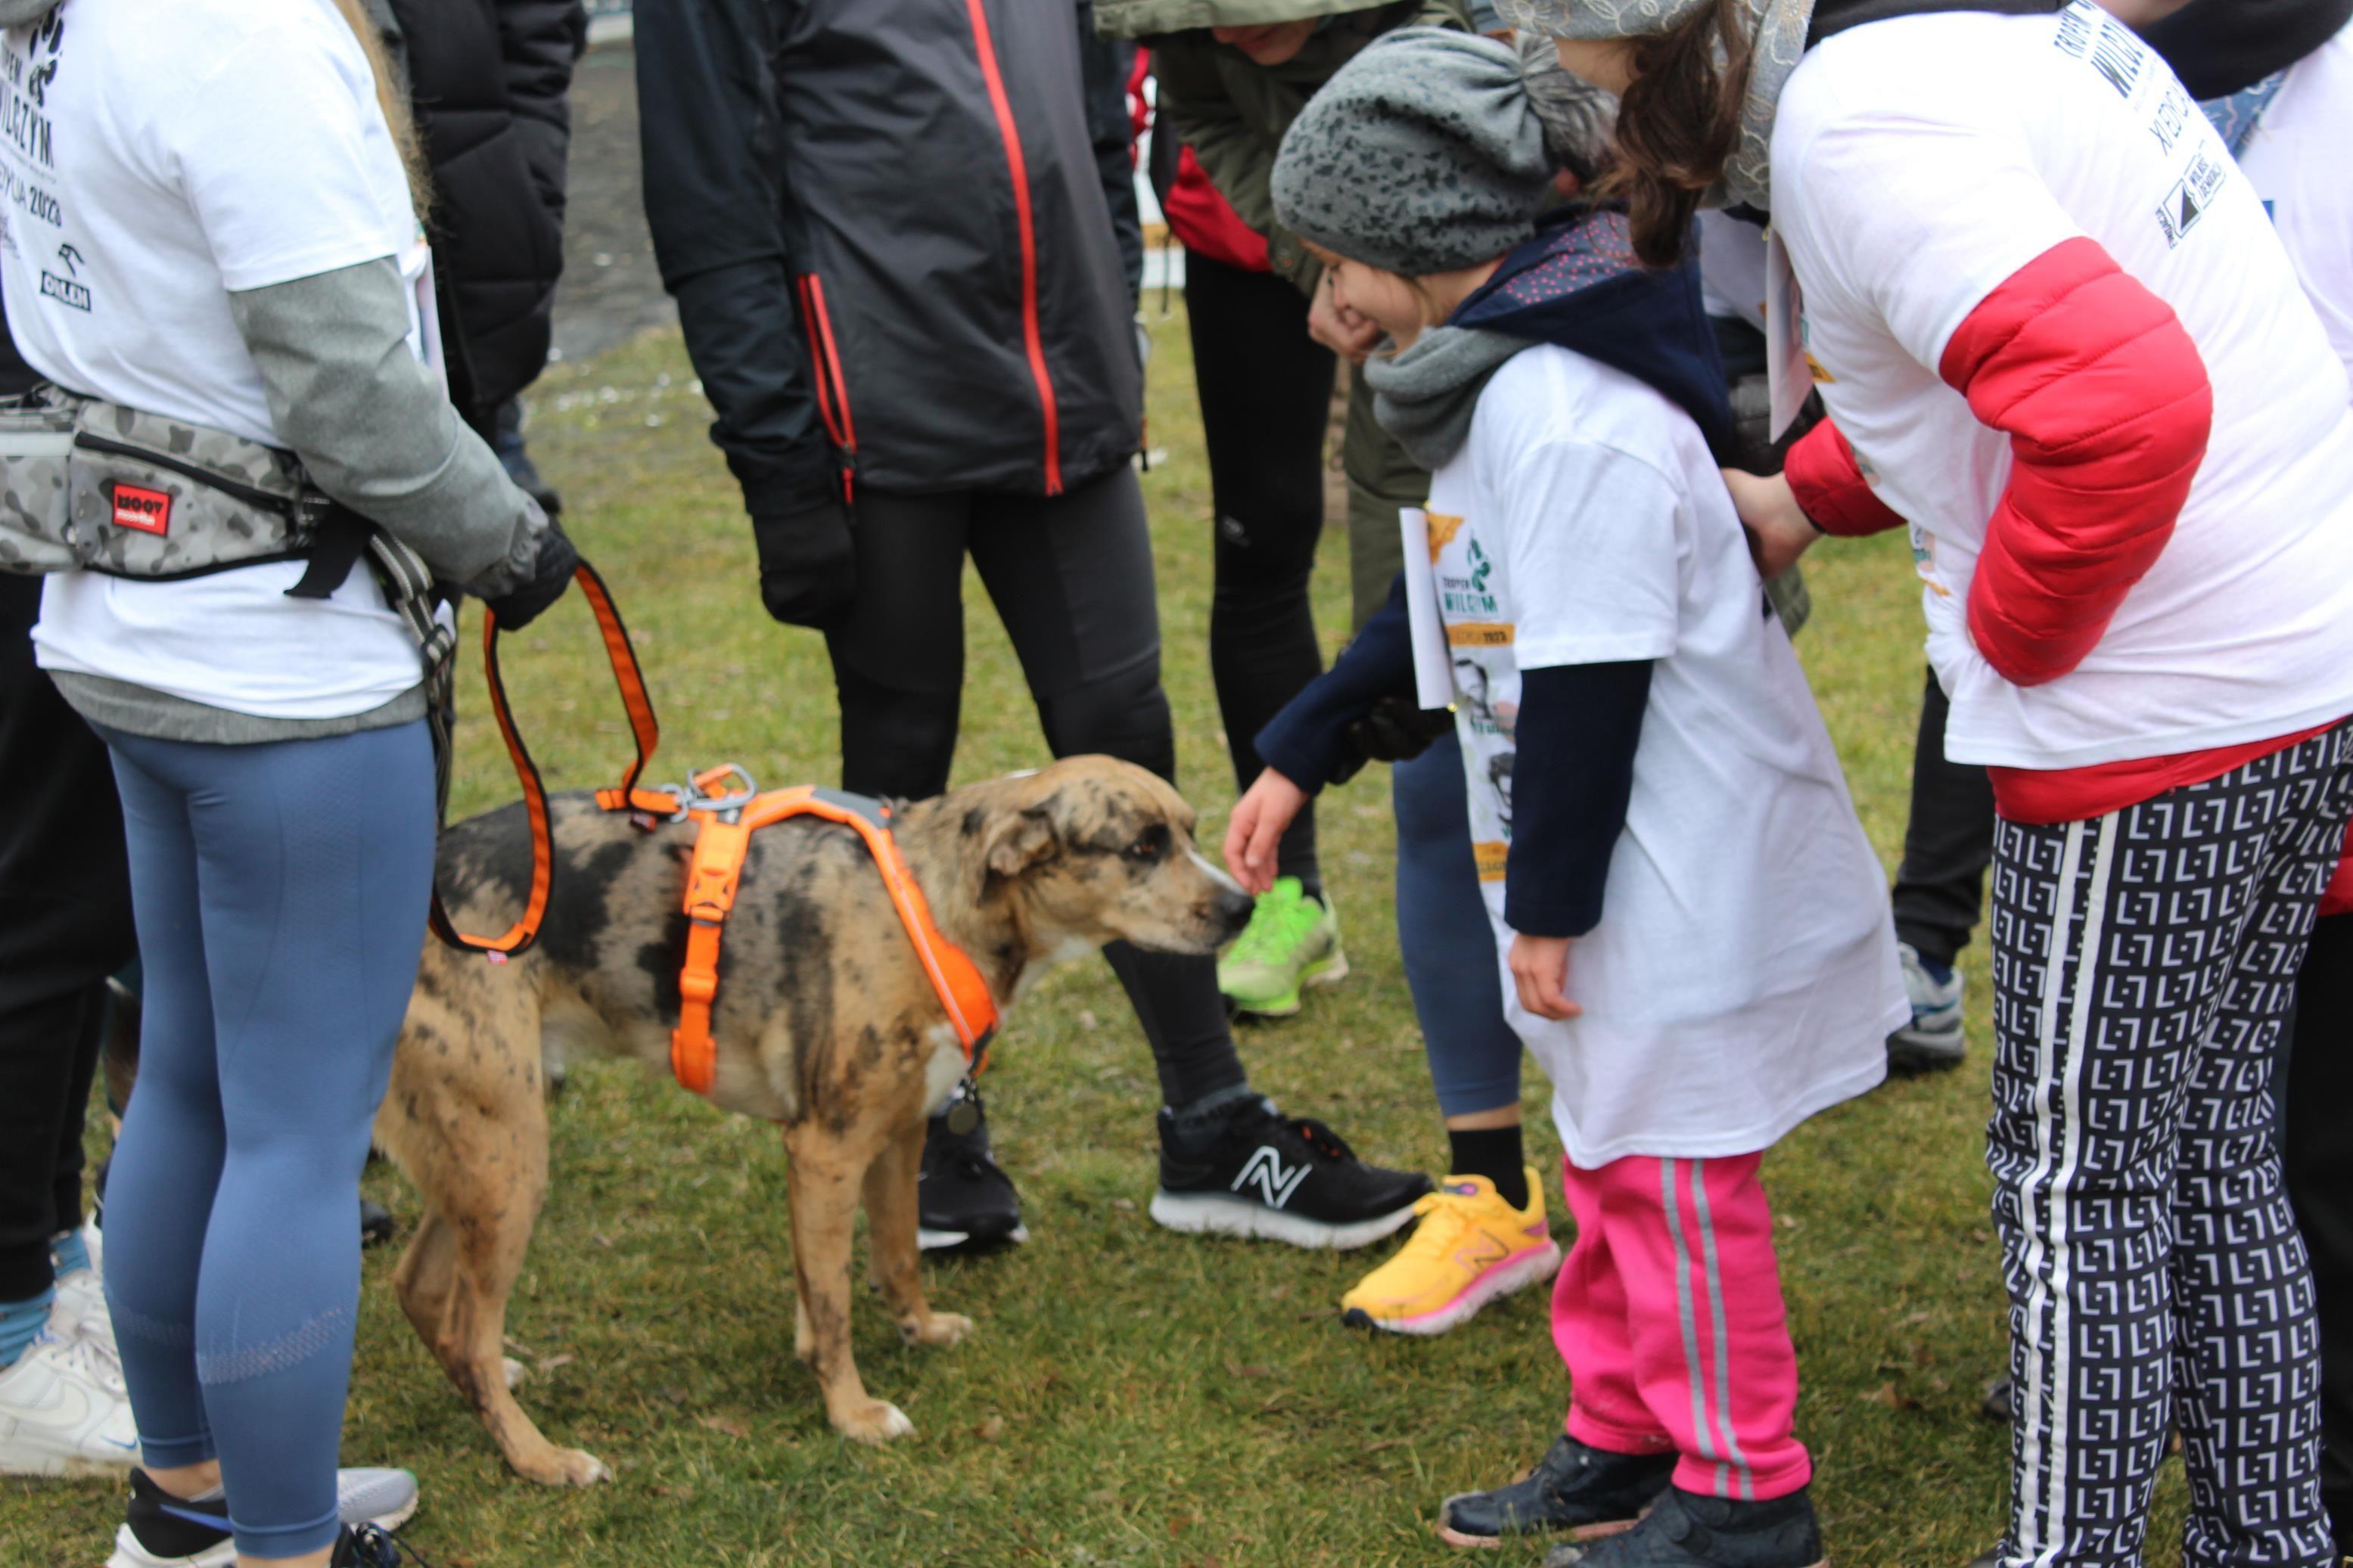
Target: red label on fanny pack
(149,512)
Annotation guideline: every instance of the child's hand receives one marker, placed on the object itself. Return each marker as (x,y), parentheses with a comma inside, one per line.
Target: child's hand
(1540,969)
(1256,826)
(1778,529)
(1339,328)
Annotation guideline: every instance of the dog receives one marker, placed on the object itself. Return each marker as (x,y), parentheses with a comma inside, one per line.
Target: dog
(825,1023)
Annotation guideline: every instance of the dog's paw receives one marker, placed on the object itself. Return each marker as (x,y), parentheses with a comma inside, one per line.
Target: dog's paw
(874,1421)
(516,1371)
(567,1467)
(936,1329)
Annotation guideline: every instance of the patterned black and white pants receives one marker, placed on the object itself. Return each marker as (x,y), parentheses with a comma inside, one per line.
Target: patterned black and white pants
(2144,963)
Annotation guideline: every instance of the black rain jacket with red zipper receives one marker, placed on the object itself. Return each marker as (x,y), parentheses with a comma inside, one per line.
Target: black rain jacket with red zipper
(885,225)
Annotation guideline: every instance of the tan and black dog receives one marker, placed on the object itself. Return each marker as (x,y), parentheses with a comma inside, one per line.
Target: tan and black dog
(824,1022)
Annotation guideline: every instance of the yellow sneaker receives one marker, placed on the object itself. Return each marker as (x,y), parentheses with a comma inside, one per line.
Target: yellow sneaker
(1471,1247)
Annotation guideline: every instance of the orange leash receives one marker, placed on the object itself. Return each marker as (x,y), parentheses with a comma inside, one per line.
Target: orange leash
(517,938)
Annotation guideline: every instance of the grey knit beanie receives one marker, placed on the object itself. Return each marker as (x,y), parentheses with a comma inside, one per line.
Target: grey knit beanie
(1422,154)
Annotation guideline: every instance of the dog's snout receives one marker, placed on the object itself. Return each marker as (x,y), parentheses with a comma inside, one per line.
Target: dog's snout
(1232,912)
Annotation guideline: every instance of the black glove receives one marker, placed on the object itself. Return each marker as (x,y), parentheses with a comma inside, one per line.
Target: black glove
(808,574)
(551,573)
(1397,730)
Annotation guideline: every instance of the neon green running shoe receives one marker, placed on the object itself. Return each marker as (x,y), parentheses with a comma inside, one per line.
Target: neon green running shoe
(1292,940)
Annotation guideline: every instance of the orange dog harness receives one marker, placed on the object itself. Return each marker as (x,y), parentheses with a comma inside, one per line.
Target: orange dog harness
(724,837)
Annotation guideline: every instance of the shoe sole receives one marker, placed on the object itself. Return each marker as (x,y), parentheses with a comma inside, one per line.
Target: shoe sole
(1607,1528)
(1913,1050)
(1324,972)
(129,1553)
(1214,1215)
(50,1463)
(950,1240)
(1508,1277)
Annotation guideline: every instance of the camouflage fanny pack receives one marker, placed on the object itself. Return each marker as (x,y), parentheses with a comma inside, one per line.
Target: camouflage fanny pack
(92,486)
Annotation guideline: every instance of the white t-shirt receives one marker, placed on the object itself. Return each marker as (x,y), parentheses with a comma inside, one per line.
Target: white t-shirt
(1917,165)
(2297,161)
(1732,269)
(160,157)
(1743,976)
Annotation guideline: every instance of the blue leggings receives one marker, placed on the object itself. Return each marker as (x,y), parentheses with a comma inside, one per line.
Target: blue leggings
(280,892)
(1446,939)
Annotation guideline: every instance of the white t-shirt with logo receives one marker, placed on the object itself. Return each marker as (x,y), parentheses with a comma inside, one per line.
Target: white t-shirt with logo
(1743,975)
(2300,161)
(158,158)
(1917,165)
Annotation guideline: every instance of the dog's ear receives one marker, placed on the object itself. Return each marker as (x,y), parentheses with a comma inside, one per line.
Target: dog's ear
(1021,841)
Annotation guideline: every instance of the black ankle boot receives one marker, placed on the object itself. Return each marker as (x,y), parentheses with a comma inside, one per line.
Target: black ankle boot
(1582,1491)
(1683,1530)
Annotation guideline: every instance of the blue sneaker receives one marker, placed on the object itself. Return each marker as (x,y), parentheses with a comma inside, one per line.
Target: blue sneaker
(1933,1040)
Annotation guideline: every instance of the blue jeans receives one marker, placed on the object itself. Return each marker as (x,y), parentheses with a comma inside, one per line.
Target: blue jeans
(280,892)
(1445,939)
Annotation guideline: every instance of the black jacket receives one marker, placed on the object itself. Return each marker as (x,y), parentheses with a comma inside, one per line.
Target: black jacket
(488,80)
(831,190)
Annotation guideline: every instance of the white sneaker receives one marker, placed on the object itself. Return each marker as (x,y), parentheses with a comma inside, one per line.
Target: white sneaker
(80,1310)
(159,1530)
(63,1411)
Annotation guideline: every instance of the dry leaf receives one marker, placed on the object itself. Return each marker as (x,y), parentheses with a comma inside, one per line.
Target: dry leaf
(549,1363)
(733,1427)
(990,1430)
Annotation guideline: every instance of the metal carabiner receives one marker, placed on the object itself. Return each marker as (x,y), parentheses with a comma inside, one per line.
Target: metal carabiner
(727,807)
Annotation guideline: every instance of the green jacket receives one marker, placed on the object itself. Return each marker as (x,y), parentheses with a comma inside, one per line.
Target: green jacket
(1233,113)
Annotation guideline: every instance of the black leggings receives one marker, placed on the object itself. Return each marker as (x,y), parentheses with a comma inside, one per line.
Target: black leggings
(1266,400)
(1071,579)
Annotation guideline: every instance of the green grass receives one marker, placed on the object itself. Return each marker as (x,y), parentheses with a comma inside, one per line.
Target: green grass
(1132,1396)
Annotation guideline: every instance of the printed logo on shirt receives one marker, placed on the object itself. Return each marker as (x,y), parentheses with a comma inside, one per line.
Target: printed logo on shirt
(2191,197)
(149,512)
(1442,528)
(1489,854)
(1478,633)
(1464,593)
(25,92)
(2090,33)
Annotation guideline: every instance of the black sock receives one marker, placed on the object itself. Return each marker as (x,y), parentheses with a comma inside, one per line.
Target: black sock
(1312,886)
(1492,1153)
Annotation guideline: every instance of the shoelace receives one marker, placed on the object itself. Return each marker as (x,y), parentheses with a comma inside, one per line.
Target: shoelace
(382,1549)
(1326,1145)
(1276,924)
(1443,1217)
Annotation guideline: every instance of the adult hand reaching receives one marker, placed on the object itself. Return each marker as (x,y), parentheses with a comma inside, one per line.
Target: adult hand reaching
(1778,529)
(1540,970)
(1338,328)
(1256,826)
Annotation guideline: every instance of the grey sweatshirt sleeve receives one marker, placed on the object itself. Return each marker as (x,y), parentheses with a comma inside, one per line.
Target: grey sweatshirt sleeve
(374,427)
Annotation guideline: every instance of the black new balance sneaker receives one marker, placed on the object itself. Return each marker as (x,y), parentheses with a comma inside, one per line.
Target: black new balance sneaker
(160,1531)
(962,1198)
(1575,1488)
(365,1546)
(1255,1172)
(1683,1530)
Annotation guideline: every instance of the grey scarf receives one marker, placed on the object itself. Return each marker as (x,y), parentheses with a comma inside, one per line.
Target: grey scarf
(1424,396)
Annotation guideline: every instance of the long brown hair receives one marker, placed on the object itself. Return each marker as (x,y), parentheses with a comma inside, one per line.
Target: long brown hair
(1678,123)
(392,97)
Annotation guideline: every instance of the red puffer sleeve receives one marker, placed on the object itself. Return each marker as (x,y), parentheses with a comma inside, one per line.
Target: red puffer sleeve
(1828,484)
(2107,408)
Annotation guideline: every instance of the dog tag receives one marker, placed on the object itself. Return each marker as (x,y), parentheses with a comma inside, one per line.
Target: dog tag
(963,1117)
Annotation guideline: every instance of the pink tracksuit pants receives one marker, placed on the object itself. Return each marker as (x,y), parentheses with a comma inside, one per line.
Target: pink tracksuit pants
(1669,1314)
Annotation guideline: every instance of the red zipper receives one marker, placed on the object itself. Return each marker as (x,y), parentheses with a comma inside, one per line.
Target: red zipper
(1032,338)
(833,395)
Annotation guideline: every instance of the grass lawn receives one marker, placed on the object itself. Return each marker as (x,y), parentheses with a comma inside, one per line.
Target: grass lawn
(1130,1395)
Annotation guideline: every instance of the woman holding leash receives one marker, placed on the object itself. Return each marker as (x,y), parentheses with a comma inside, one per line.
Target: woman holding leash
(2057,330)
(250,277)
(1685,917)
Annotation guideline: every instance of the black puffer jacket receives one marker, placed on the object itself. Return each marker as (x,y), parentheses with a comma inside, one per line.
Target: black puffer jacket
(489,80)
(918,179)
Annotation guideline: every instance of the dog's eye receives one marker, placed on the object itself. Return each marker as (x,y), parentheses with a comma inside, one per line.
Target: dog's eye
(1150,846)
